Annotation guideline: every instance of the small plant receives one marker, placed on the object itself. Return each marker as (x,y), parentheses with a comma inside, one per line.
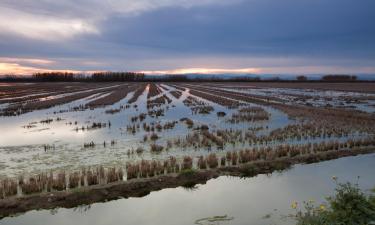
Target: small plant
(212,160)
(187,163)
(156,148)
(139,150)
(202,164)
(221,114)
(349,206)
(154,137)
(74,180)
(188,172)
(59,184)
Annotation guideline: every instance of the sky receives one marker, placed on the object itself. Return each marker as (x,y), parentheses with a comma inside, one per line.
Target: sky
(188,36)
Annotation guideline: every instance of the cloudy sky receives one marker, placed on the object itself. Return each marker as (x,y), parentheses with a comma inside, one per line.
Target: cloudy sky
(180,36)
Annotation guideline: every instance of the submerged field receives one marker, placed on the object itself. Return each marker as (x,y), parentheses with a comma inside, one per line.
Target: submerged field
(67,137)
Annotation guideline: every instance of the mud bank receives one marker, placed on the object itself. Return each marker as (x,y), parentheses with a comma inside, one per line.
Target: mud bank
(142,187)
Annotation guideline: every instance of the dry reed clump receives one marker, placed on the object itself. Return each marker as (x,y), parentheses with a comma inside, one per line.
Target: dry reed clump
(214,138)
(74,180)
(34,184)
(202,109)
(92,177)
(249,114)
(134,119)
(189,122)
(158,102)
(82,177)
(221,114)
(197,106)
(112,111)
(59,183)
(202,164)
(232,157)
(47,121)
(145,138)
(114,175)
(157,168)
(156,148)
(156,112)
(89,145)
(144,168)
(132,171)
(139,150)
(97,125)
(133,128)
(154,137)
(49,147)
(8,187)
(223,161)
(171,165)
(212,160)
(142,116)
(170,125)
(187,163)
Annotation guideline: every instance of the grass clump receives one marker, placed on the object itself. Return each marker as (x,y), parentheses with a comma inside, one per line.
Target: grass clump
(188,172)
(156,148)
(350,205)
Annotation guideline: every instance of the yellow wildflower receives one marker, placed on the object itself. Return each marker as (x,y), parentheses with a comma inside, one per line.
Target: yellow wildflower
(294,205)
(322,207)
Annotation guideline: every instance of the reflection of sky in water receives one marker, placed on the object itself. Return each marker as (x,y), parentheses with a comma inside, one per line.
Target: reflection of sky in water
(22,150)
(319,97)
(247,200)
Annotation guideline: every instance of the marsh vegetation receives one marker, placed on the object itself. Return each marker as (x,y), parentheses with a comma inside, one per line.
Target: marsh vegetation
(72,137)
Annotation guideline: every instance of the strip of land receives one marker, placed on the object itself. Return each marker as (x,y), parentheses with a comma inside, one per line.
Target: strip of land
(142,187)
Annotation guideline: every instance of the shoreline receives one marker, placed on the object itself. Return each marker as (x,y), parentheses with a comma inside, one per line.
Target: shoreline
(143,186)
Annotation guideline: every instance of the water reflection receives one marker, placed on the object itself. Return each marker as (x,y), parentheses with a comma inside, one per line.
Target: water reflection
(213,220)
(82,208)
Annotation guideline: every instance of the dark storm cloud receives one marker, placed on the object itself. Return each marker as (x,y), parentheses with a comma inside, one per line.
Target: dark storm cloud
(163,34)
(254,27)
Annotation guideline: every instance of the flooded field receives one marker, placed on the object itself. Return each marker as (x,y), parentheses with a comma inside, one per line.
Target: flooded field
(67,137)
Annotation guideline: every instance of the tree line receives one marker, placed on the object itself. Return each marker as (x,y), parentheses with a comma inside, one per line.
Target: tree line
(141,77)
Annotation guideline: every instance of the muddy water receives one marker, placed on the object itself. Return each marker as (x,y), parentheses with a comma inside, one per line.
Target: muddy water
(258,200)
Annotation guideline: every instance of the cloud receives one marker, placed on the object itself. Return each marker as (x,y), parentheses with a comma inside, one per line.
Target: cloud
(26,60)
(17,69)
(203,71)
(162,35)
(59,20)
(131,7)
(43,27)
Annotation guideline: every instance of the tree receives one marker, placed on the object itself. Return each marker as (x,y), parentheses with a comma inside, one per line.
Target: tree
(301,78)
(339,78)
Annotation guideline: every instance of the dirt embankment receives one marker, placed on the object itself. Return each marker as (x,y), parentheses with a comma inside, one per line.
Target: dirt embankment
(142,187)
